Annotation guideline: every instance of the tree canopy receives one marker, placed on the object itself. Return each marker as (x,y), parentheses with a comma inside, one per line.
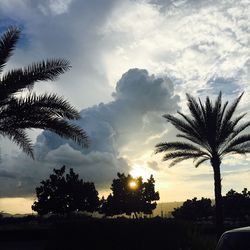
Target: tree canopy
(194,209)
(62,194)
(237,205)
(130,195)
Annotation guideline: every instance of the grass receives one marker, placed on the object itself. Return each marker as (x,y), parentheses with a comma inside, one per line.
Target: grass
(120,234)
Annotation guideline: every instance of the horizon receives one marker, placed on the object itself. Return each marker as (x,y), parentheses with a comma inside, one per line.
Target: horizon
(26,207)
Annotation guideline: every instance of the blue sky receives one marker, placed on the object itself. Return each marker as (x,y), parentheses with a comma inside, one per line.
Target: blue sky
(132,61)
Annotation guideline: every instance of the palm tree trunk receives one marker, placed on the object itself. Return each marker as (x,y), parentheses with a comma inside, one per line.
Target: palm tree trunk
(215,161)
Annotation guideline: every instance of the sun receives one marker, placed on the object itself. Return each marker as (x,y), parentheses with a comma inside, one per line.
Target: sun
(132,184)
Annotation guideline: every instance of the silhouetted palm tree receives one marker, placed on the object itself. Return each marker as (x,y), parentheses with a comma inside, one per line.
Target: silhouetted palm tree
(213,132)
(47,111)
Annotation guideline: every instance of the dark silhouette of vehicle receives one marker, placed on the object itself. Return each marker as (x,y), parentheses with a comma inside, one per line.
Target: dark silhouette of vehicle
(236,239)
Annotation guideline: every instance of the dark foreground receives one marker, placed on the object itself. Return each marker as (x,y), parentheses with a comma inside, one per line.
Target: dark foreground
(90,233)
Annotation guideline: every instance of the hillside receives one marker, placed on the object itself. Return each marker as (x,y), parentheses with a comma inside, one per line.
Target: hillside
(163,209)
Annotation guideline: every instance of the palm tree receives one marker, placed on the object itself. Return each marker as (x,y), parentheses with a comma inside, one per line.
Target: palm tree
(47,111)
(211,132)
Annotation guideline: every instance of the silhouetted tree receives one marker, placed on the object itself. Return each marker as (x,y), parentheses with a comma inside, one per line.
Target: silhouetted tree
(213,132)
(62,194)
(130,195)
(237,205)
(194,209)
(47,111)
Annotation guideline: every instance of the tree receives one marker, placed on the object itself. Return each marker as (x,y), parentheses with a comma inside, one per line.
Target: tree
(194,209)
(211,132)
(47,111)
(130,195)
(64,195)
(237,205)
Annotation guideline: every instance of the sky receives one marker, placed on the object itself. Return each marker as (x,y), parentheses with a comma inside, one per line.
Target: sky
(132,61)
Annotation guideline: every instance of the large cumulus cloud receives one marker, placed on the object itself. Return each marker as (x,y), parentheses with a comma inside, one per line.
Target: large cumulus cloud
(118,131)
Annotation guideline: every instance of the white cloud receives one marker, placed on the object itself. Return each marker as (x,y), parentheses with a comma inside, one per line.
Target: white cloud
(55,7)
(191,42)
(201,46)
(112,128)
(72,35)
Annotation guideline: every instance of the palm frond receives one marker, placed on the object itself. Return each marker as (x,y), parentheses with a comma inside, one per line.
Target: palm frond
(195,110)
(47,111)
(59,126)
(237,119)
(18,79)
(229,113)
(181,125)
(68,131)
(199,162)
(179,154)
(19,137)
(221,114)
(217,105)
(46,104)
(177,146)
(217,114)
(199,128)
(206,119)
(42,112)
(7,44)
(239,129)
(193,139)
(188,120)
(239,141)
(239,149)
(208,106)
(234,133)
(211,121)
(202,108)
(228,130)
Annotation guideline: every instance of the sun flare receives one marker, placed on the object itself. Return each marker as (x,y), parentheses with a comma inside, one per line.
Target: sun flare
(133,184)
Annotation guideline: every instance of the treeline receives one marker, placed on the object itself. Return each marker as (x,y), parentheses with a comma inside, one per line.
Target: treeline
(236,206)
(65,194)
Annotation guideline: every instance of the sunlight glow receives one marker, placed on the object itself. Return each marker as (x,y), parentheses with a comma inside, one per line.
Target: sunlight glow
(138,171)
(133,184)
(16,205)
